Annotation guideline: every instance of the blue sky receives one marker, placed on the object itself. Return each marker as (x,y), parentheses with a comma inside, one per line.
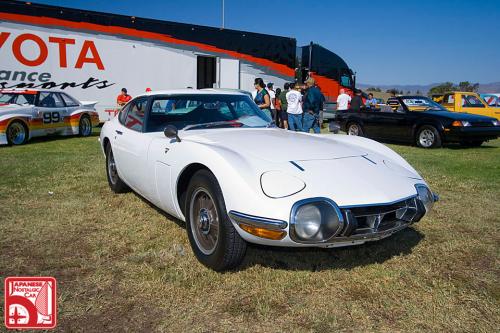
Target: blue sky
(385,42)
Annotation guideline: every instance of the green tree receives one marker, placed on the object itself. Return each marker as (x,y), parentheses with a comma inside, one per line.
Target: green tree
(418,92)
(442,88)
(376,89)
(467,86)
(392,91)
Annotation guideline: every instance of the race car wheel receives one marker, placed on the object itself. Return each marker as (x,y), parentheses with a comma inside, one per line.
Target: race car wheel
(17,133)
(85,126)
(214,240)
(428,137)
(354,129)
(115,183)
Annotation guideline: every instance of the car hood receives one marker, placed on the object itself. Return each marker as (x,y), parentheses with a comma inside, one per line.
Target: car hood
(460,116)
(275,145)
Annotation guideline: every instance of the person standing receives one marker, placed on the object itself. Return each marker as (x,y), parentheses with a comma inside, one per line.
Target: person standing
(294,109)
(357,101)
(262,98)
(343,100)
(371,102)
(277,106)
(284,105)
(272,96)
(123,98)
(312,106)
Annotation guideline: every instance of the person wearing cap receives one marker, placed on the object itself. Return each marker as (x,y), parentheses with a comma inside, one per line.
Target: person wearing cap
(148,89)
(312,106)
(357,101)
(272,96)
(123,98)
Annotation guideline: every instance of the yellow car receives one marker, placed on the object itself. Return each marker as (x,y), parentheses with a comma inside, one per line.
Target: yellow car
(469,102)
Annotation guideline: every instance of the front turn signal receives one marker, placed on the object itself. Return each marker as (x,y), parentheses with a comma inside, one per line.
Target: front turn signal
(263,233)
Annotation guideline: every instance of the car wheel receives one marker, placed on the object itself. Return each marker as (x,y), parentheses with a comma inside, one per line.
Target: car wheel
(85,126)
(17,133)
(212,236)
(428,137)
(354,129)
(115,182)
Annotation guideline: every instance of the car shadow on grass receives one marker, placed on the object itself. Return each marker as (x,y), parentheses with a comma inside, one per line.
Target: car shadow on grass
(318,259)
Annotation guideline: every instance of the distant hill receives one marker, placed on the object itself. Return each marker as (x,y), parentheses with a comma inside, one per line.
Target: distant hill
(493,87)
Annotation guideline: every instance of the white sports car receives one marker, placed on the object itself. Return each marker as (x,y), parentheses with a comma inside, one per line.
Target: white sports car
(28,113)
(214,161)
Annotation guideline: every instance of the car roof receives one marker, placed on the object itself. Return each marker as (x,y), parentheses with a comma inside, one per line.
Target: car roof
(192,92)
(29,91)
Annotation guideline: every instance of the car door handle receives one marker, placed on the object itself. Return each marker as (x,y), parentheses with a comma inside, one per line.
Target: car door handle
(118,132)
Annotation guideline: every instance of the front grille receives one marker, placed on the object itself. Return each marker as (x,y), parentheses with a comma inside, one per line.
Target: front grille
(379,218)
(481,123)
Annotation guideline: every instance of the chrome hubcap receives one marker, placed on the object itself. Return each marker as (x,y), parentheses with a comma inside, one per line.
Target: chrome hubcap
(204,221)
(426,138)
(113,174)
(86,126)
(353,130)
(16,133)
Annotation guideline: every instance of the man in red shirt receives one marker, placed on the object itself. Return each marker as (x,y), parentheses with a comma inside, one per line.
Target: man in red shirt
(123,98)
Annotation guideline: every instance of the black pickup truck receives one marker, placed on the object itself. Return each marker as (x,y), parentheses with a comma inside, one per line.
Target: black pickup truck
(419,120)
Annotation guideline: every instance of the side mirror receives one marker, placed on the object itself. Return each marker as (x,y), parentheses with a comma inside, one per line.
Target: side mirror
(171,132)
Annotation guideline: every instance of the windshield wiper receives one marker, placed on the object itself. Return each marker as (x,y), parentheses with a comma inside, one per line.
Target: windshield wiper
(213,124)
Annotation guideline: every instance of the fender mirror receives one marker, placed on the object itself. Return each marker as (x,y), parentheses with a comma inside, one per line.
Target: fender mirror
(171,132)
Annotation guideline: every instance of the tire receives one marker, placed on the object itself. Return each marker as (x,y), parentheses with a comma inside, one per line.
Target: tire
(115,182)
(428,137)
(471,143)
(85,126)
(213,238)
(17,133)
(354,129)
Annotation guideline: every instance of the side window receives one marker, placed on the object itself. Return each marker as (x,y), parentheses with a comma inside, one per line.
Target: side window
(449,99)
(50,100)
(395,105)
(123,114)
(471,101)
(69,101)
(135,115)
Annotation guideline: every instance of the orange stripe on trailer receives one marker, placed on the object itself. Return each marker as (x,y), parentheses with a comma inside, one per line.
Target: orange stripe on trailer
(115,30)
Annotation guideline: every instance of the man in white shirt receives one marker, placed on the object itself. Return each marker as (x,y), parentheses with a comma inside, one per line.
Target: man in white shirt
(272,97)
(294,109)
(343,100)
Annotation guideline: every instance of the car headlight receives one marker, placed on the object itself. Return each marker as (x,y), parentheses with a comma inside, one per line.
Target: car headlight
(425,195)
(496,123)
(460,123)
(315,220)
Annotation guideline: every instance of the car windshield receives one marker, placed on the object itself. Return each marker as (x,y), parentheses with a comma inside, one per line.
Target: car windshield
(422,104)
(192,112)
(16,98)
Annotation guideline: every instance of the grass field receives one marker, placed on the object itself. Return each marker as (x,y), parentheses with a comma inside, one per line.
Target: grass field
(122,265)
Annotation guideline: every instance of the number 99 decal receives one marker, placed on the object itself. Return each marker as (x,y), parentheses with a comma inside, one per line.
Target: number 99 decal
(51,117)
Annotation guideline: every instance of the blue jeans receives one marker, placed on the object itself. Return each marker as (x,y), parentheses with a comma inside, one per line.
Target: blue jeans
(311,121)
(295,122)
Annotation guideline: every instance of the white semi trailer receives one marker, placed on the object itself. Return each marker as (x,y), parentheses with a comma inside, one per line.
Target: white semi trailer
(93,55)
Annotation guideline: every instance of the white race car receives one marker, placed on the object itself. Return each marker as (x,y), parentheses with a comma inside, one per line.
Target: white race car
(214,161)
(28,113)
